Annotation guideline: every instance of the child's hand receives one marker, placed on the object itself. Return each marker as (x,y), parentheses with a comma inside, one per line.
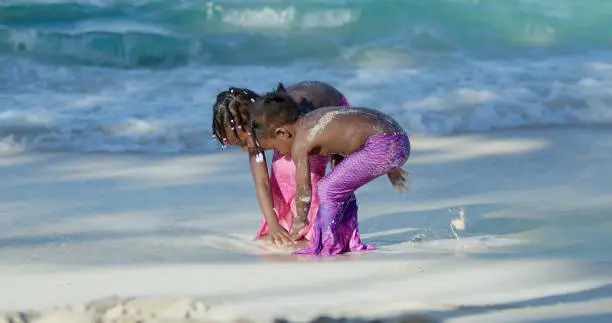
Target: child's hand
(278,235)
(398,179)
(297,227)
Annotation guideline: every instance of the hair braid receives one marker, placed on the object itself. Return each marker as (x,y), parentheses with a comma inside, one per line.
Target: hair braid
(230,110)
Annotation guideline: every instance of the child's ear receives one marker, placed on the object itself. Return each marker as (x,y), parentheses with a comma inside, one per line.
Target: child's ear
(283,133)
(280,87)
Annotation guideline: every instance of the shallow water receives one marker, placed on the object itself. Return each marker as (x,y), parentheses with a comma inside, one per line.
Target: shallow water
(79,227)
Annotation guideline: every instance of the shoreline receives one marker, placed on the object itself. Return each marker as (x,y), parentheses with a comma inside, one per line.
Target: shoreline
(81,228)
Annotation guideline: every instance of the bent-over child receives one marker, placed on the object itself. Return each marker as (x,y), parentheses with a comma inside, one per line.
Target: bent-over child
(372,144)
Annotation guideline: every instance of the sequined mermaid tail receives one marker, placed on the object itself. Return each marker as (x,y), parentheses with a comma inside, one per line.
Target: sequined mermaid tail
(332,237)
(336,230)
(282,187)
(343,102)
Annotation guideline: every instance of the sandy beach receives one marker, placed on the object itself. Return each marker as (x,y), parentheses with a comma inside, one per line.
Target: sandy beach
(157,238)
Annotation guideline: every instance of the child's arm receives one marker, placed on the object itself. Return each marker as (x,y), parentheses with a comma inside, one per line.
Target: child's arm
(303,194)
(259,170)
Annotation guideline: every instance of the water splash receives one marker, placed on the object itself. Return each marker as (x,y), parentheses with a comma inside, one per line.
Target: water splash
(458,224)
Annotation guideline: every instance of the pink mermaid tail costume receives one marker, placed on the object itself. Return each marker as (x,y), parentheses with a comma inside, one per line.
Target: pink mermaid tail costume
(282,187)
(335,230)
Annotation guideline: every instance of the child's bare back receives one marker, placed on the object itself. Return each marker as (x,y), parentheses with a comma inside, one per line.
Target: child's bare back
(319,94)
(341,131)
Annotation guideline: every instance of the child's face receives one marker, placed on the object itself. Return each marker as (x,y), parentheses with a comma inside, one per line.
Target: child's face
(282,141)
(243,139)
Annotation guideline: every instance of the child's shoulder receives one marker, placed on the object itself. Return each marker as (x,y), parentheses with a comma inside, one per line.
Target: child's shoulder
(310,85)
(345,116)
(315,121)
(333,111)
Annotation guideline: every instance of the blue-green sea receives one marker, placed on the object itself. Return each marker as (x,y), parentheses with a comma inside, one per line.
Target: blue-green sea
(141,76)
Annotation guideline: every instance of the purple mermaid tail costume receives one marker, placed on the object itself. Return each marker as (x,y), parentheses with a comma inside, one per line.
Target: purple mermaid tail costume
(335,230)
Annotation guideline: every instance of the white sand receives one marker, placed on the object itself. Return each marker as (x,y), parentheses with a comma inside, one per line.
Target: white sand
(171,237)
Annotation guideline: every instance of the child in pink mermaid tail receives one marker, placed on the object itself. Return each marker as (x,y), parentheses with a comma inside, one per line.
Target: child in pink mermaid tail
(372,144)
(276,192)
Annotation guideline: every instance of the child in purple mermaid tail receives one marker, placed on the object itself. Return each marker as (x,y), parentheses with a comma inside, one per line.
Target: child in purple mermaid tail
(372,144)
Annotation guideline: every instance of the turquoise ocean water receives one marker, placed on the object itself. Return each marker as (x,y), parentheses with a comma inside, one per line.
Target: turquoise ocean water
(125,76)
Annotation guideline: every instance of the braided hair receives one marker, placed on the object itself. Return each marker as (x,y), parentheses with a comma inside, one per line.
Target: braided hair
(231,110)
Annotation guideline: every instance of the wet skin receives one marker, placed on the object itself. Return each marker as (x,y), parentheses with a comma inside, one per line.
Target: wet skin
(330,130)
(259,170)
(326,131)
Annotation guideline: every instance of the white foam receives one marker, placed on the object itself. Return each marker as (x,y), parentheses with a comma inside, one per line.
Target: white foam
(119,27)
(23,39)
(20,118)
(99,3)
(9,145)
(538,35)
(328,18)
(132,127)
(259,18)
(267,17)
(477,243)
(96,109)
